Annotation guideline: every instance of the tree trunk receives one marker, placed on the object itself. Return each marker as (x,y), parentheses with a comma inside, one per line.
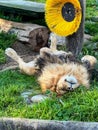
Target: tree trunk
(75,41)
(34,35)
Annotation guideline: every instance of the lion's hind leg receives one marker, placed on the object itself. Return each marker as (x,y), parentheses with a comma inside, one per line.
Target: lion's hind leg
(12,54)
(89,61)
(29,68)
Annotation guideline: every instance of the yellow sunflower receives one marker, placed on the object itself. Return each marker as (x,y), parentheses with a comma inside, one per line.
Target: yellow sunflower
(63,16)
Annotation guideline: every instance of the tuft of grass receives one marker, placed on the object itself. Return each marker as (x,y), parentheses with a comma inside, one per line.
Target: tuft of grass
(90,49)
(91,3)
(91,27)
(91,13)
(95,38)
(11,17)
(6,40)
(2,56)
(91,9)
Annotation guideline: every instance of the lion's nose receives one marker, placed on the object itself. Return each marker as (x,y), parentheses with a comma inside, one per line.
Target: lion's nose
(70,88)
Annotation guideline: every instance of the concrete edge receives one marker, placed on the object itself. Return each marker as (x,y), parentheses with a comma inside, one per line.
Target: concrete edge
(35,124)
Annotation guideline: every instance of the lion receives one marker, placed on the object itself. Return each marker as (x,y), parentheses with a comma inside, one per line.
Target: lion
(57,71)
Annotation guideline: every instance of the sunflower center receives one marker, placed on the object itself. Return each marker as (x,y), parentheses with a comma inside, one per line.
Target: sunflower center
(68,12)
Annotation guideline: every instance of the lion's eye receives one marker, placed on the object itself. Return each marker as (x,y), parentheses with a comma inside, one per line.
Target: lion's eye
(65,80)
(63,89)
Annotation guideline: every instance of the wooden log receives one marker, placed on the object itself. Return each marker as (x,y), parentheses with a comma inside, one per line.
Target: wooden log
(75,41)
(34,35)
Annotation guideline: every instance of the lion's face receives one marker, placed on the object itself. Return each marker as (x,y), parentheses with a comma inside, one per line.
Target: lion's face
(66,83)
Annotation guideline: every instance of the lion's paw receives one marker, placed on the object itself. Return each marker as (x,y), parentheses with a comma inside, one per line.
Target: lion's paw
(11,53)
(88,59)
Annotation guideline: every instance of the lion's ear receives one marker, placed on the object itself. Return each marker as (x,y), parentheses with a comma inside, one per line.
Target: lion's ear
(89,61)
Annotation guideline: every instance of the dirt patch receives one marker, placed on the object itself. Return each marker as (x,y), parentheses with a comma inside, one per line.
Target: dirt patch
(24,51)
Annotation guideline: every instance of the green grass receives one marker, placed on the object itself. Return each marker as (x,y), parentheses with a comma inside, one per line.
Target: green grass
(91,27)
(91,9)
(6,40)
(2,56)
(12,84)
(80,105)
(95,38)
(90,48)
(11,17)
(91,14)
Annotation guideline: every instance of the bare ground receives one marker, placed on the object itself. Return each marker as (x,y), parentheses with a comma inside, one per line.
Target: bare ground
(24,51)
(27,53)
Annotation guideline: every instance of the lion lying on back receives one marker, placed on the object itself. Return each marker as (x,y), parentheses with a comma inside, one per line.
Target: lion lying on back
(57,71)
